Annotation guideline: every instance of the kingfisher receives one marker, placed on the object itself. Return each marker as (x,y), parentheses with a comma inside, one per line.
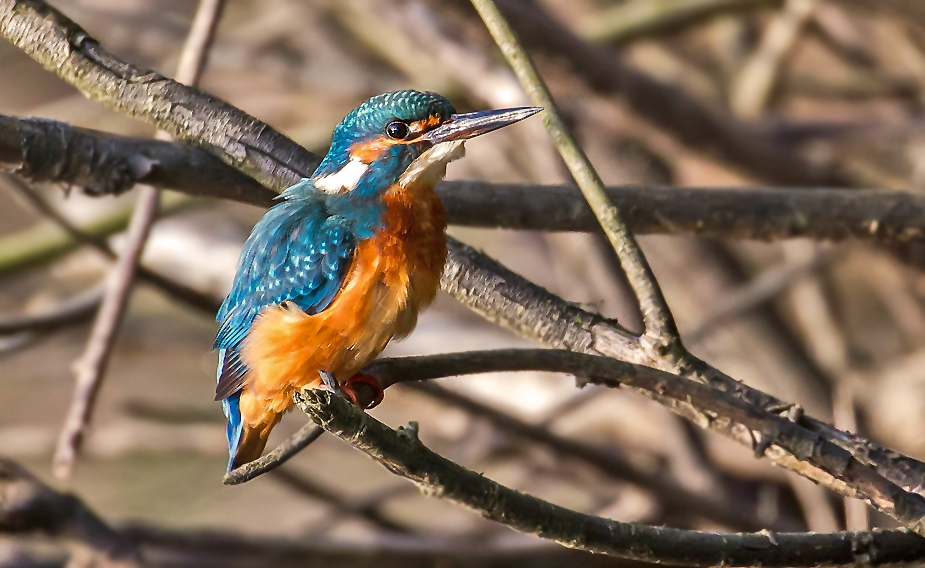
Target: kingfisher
(343,263)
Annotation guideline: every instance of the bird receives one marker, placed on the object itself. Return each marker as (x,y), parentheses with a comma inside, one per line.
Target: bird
(342,263)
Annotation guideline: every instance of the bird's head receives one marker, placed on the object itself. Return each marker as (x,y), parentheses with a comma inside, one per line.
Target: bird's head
(401,137)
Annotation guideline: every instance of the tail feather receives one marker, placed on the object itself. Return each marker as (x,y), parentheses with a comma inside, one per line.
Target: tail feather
(250,445)
(232,410)
(233,429)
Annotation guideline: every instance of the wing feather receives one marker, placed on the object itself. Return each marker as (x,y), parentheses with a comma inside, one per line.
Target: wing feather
(297,253)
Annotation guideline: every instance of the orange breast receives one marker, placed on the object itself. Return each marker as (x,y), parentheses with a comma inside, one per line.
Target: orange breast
(393,276)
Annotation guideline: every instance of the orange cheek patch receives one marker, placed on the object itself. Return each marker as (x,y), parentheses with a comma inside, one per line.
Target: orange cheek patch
(368,152)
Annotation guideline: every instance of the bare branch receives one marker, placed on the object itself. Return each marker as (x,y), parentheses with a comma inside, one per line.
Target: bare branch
(64,48)
(108,164)
(861,480)
(509,300)
(610,463)
(402,453)
(91,367)
(888,217)
(295,444)
(655,312)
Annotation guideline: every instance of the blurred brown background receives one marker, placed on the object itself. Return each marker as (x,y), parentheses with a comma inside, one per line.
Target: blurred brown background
(844,337)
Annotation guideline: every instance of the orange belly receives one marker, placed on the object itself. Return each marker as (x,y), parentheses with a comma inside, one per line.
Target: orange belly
(393,276)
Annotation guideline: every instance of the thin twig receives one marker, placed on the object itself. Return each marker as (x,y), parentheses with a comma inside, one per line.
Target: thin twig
(90,369)
(295,444)
(655,312)
(186,294)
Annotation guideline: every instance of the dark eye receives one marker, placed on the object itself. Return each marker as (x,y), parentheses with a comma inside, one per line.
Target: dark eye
(397,130)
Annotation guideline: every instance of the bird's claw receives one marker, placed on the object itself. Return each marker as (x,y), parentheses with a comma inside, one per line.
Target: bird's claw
(364,390)
(328,382)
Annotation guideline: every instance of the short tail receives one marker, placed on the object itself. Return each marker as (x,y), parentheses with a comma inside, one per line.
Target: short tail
(245,442)
(250,445)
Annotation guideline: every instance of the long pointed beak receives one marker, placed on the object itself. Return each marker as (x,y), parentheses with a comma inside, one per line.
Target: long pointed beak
(471,124)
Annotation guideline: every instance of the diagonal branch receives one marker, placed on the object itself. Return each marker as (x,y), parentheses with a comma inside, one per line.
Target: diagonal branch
(511,301)
(64,48)
(91,367)
(655,312)
(860,480)
(177,290)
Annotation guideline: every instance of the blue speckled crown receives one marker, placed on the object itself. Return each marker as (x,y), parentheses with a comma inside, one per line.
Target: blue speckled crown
(370,119)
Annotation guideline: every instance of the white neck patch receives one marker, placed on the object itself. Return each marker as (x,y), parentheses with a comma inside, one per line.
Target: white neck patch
(430,166)
(344,179)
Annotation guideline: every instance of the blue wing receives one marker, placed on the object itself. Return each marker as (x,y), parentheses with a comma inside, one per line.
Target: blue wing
(297,253)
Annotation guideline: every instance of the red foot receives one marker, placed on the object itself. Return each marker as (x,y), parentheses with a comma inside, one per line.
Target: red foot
(363,387)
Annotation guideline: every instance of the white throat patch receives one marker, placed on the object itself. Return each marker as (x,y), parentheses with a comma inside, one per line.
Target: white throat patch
(344,179)
(430,166)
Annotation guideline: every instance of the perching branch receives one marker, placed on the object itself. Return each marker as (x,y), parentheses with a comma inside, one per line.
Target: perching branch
(513,302)
(402,453)
(859,479)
